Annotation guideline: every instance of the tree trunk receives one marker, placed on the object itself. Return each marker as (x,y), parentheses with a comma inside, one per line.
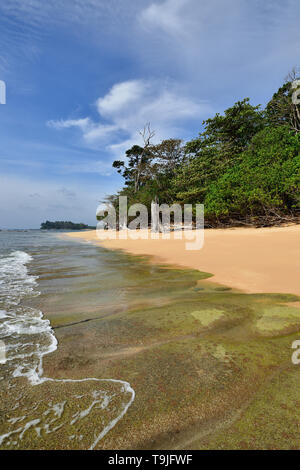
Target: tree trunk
(155,215)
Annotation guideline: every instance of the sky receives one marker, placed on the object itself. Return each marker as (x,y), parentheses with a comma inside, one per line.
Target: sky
(84,76)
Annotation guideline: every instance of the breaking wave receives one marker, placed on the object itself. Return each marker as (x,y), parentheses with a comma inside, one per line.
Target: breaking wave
(28,337)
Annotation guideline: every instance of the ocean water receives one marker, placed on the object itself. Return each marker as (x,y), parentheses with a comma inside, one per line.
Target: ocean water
(27,336)
(105,350)
(65,307)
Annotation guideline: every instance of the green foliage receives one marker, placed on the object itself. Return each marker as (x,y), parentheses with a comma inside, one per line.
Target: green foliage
(281,110)
(217,149)
(136,172)
(278,108)
(266,180)
(148,172)
(230,134)
(244,166)
(63,225)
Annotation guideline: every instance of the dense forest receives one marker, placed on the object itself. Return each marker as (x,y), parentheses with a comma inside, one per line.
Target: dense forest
(63,225)
(244,166)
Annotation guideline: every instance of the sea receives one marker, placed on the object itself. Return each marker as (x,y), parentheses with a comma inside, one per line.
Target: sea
(64,313)
(26,337)
(100,349)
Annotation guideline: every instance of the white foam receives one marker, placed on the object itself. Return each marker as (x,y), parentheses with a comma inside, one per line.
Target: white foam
(3,314)
(30,337)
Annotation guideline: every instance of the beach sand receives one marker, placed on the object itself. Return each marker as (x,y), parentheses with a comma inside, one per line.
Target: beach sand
(263,260)
(211,366)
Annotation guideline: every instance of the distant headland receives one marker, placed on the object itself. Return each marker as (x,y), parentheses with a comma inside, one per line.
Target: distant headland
(64,225)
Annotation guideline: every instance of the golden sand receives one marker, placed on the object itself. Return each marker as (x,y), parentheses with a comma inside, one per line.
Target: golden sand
(263,260)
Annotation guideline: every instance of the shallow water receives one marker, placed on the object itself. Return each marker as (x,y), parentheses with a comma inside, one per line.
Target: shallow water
(27,337)
(105,350)
(85,282)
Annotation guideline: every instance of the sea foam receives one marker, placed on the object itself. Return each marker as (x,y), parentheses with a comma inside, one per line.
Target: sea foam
(28,337)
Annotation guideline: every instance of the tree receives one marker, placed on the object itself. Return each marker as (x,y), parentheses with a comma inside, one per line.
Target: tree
(230,134)
(136,171)
(244,165)
(216,149)
(167,158)
(264,183)
(63,225)
(168,155)
(281,111)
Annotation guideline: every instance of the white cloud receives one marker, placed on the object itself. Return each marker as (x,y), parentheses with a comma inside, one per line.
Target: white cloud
(166,16)
(39,13)
(91,131)
(98,132)
(25,24)
(199,16)
(129,105)
(83,124)
(121,96)
(227,47)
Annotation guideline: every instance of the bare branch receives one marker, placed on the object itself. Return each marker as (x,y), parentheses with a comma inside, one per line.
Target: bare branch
(293,75)
(147,134)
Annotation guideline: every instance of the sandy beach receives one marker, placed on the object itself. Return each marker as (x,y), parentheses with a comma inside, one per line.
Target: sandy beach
(141,355)
(264,260)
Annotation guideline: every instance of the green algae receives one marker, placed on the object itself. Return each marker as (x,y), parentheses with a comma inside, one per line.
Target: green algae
(278,319)
(271,421)
(207,317)
(206,362)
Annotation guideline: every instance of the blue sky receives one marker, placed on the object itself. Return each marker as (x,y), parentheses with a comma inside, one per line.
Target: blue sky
(84,76)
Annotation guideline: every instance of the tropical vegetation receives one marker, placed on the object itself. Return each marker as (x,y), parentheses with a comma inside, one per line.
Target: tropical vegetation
(244,165)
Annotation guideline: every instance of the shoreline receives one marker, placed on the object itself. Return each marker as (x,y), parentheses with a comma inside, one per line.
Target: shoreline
(253,260)
(208,363)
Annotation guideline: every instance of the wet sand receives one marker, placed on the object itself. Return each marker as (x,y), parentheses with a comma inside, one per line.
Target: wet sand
(210,366)
(214,364)
(264,260)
